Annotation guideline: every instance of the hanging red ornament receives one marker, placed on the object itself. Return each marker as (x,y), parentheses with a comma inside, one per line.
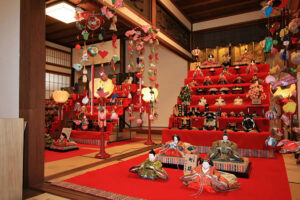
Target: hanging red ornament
(103,53)
(114,40)
(85,15)
(139,75)
(77,46)
(156,56)
(272,30)
(150,57)
(156,85)
(294,40)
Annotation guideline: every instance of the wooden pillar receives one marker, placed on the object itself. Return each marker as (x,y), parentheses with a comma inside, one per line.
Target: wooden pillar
(32,88)
(153,12)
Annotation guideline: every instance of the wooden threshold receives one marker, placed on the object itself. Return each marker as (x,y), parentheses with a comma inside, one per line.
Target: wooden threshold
(63,192)
(71,171)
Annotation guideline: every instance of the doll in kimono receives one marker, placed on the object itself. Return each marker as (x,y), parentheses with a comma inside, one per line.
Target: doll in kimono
(211,61)
(151,168)
(205,177)
(224,150)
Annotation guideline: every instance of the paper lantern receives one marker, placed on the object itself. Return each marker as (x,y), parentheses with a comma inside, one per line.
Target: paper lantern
(107,86)
(60,96)
(149,94)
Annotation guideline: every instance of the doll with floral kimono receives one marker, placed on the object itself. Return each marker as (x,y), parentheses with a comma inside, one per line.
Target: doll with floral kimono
(211,61)
(252,68)
(205,177)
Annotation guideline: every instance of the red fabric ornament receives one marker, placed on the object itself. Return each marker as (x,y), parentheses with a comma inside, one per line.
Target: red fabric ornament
(139,75)
(114,40)
(85,15)
(294,40)
(272,30)
(156,85)
(150,57)
(77,46)
(153,78)
(156,56)
(103,53)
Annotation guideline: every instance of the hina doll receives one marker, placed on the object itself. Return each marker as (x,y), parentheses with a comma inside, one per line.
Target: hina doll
(224,150)
(210,61)
(207,81)
(150,168)
(197,72)
(222,80)
(62,141)
(252,67)
(176,148)
(205,177)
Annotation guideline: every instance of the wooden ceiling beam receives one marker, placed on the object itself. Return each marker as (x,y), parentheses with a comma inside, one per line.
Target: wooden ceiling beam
(224,14)
(198,4)
(228,6)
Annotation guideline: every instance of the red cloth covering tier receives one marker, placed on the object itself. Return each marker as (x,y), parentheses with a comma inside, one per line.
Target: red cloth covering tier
(244,140)
(89,135)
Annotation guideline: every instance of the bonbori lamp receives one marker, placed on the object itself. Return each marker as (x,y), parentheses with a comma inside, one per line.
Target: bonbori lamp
(60,97)
(149,96)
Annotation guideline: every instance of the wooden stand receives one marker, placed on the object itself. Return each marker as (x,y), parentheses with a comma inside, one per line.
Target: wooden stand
(102,154)
(149,140)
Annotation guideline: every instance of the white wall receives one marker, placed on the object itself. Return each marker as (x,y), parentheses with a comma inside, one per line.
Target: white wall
(172,70)
(9,58)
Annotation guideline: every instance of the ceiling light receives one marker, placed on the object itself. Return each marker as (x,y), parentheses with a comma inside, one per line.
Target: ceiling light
(62,12)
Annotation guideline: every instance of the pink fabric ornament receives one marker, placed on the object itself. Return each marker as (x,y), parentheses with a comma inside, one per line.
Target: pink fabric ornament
(139,121)
(145,28)
(130,33)
(274,51)
(103,10)
(270,79)
(151,117)
(131,117)
(114,116)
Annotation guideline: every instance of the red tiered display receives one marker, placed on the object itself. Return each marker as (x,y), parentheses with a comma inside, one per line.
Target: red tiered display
(244,140)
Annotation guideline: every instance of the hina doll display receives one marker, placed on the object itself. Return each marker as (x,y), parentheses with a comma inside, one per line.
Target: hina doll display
(176,148)
(224,150)
(205,177)
(150,168)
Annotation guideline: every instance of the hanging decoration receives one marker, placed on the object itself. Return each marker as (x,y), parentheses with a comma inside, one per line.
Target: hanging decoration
(139,37)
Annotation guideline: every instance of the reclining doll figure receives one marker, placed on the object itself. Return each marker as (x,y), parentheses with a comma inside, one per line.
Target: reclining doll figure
(150,168)
(205,177)
(224,150)
(176,148)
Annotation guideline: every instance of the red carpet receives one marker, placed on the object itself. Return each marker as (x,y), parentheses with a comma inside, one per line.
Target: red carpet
(268,180)
(52,155)
(113,144)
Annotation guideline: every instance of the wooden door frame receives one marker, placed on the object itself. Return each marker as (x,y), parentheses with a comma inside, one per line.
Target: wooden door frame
(32,88)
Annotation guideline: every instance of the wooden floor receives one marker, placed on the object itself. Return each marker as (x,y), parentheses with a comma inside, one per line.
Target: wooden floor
(79,162)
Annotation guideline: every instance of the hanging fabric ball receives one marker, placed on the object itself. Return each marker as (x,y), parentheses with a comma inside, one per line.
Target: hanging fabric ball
(150,72)
(93,50)
(294,40)
(77,46)
(294,25)
(93,23)
(275,42)
(139,121)
(295,58)
(84,71)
